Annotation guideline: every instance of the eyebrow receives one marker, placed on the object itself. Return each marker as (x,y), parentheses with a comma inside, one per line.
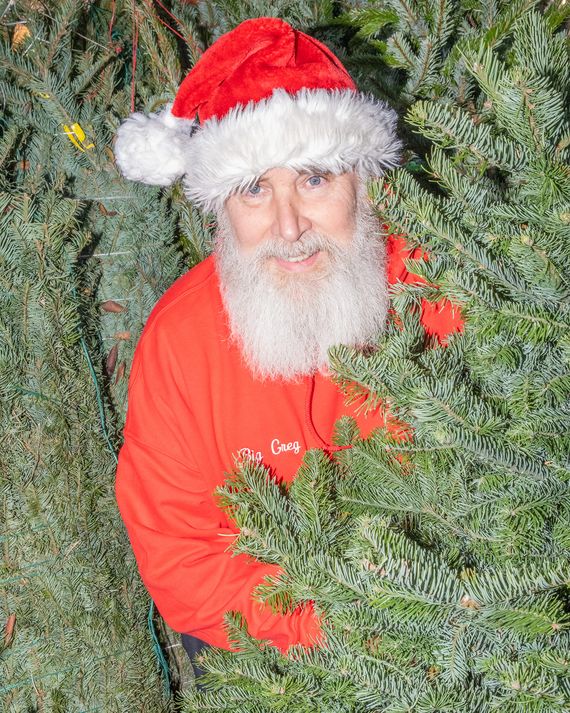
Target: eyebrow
(314,169)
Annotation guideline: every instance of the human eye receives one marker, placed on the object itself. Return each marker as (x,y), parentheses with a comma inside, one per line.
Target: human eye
(252,191)
(315,180)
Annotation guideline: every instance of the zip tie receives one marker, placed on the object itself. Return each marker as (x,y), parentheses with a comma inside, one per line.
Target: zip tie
(77,137)
(104,198)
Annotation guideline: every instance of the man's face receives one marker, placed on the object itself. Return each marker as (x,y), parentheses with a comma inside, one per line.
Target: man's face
(287,206)
(302,268)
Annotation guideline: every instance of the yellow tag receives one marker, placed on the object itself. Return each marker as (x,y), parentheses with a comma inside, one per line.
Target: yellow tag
(77,136)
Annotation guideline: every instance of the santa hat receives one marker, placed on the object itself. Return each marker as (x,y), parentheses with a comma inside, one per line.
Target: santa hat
(264,95)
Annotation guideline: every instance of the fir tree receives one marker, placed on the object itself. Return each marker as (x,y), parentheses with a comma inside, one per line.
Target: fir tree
(439,561)
(84,256)
(472,511)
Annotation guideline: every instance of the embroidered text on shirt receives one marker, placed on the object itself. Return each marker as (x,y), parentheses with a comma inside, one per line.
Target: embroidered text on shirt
(250,454)
(277,447)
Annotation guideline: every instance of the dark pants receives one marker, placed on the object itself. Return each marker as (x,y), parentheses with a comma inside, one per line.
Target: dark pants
(193,647)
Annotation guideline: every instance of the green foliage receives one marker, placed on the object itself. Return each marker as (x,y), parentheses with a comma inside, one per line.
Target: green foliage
(226,14)
(84,256)
(439,562)
(427,40)
(79,615)
(70,251)
(420,51)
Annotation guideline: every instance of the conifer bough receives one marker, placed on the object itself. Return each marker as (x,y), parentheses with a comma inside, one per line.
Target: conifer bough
(440,564)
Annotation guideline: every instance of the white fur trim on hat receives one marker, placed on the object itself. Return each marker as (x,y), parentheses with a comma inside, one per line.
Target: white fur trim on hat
(152,149)
(316,129)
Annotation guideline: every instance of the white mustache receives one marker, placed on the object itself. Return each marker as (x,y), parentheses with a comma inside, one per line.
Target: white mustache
(306,245)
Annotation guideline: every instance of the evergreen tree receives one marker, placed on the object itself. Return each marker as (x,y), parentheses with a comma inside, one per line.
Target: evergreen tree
(439,560)
(439,563)
(84,256)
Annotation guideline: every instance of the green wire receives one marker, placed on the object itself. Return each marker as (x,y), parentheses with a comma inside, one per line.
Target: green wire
(99,399)
(156,643)
(158,650)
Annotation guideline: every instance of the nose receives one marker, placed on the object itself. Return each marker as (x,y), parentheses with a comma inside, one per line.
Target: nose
(289,220)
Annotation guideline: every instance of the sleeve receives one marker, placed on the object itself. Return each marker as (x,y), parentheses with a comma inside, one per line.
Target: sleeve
(439,319)
(179,536)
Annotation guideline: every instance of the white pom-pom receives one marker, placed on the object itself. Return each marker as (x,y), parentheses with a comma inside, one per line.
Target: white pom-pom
(153,149)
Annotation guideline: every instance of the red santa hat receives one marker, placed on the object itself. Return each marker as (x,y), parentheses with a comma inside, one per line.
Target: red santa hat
(263,95)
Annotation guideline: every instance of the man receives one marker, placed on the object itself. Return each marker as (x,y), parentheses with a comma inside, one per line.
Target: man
(269,132)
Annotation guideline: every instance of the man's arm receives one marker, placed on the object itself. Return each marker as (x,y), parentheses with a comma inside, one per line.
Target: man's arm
(439,319)
(179,536)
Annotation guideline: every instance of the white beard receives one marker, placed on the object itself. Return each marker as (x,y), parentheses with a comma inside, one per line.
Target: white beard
(285,323)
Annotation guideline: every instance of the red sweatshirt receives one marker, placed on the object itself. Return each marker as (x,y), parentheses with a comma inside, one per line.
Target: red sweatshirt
(193,408)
